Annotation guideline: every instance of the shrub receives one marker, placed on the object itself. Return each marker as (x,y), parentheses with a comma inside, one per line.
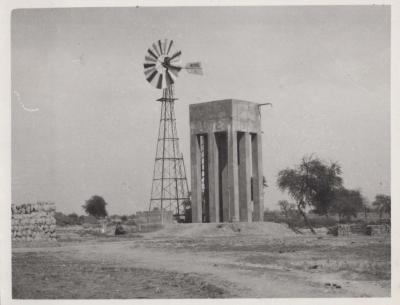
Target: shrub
(323,222)
(63,220)
(273,216)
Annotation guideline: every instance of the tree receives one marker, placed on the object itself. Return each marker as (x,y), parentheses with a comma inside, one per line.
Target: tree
(312,183)
(290,214)
(95,206)
(347,203)
(382,204)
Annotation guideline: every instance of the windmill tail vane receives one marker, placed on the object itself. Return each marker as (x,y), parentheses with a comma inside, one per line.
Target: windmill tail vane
(194,68)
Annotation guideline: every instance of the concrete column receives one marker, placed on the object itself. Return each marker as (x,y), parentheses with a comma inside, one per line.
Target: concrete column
(223,183)
(245,177)
(195,178)
(233,176)
(213,179)
(257,177)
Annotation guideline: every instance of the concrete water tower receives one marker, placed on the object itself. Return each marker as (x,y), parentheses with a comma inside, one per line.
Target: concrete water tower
(226,161)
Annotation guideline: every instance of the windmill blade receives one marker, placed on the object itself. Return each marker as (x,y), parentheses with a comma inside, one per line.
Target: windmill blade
(149,71)
(168,78)
(174,67)
(151,76)
(175,56)
(194,68)
(156,50)
(155,79)
(169,47)
(174,70)
(152,54)
(151,59)
(160,46)
(164,45)
(159,82)
(148,65)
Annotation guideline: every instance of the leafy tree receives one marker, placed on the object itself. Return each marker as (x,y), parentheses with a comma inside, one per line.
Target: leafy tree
(347,203)
(96,206)
(312,183)
(382,204)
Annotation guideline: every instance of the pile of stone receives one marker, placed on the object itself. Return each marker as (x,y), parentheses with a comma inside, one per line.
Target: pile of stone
(359,229)
(343,230)
(382,229)
(33,221)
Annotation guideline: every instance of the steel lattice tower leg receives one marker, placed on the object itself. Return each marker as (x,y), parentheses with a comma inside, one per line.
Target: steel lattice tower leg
(169,188)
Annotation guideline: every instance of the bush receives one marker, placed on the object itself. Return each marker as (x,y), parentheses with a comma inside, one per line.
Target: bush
(323,222)
(333,231)
(74,218)
(273,216)
(64,220)
(295,220)
(130,222)
(89,220)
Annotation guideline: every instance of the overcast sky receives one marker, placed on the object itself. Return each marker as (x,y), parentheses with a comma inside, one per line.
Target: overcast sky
(85,121)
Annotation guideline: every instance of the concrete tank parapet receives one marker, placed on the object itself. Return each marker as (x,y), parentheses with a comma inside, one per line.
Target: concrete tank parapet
(219,115)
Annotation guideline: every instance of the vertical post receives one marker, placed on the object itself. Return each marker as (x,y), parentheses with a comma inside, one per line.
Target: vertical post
(164,106)
(233,176)
(221,139)
(244,145)
(257,177)
(174,138)
(196,178)
(206,190)
(213,180)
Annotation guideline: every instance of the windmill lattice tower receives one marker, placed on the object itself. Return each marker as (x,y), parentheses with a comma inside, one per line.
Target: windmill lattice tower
(169,189)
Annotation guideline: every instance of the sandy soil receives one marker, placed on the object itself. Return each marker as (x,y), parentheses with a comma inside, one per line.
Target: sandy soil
(204,261)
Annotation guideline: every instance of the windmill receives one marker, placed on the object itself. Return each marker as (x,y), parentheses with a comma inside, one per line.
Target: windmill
(169,188)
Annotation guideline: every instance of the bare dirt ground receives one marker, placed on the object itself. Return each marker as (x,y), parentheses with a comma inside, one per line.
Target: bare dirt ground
(203,261)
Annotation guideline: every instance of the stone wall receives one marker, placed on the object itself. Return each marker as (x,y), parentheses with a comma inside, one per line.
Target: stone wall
(361,229)
(154,217)
(33,221)
(383,229)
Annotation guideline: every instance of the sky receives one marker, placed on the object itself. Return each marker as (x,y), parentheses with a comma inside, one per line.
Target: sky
(85,120)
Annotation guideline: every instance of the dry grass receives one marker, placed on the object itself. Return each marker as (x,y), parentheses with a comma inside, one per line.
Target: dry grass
(198,264)
(44,276)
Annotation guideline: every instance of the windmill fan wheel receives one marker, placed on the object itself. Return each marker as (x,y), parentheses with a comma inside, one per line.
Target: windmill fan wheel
(162,64)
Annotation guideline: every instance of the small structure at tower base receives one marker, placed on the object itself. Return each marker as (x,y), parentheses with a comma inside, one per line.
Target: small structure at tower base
(226,161)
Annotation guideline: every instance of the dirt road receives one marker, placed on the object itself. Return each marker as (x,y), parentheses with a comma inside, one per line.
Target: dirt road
(198,265)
